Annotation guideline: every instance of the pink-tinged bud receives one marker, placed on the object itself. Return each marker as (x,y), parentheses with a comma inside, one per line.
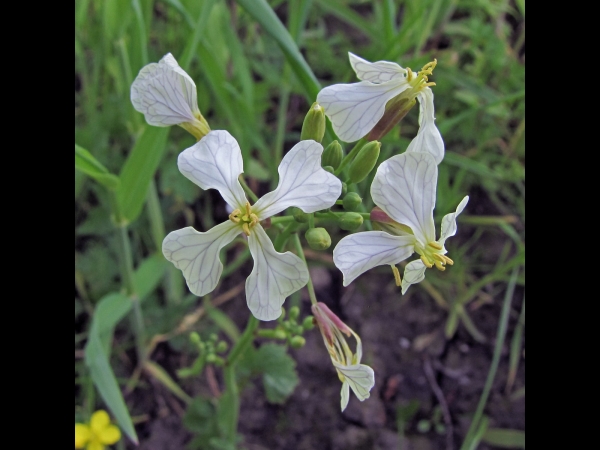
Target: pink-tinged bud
(379,215)
(382,221)
(328,319)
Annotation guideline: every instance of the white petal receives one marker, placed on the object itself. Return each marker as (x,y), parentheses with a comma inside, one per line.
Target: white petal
(354,109)
(359,252)
(414,273)
(345,395)
(449,221)
(428,138)
(377,72)
(360,377)
(164,93)
(274,276)
(197,254)
(302,183)
(215,162)
(404,187)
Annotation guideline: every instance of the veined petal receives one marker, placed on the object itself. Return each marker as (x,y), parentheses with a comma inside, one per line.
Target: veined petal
(377,72)
(404,187)
(164,93)
(449,221)
(359,252)
(360,377)
(302,183)
(274,276)
(345,394)
(414,273)
(354,109)
(215,162)
(428,138)
(196,254)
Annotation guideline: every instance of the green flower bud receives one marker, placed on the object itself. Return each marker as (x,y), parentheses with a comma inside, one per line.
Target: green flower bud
(314,124)
(294,312)
(318,238)
(195,338)
(297,342)
(332,155)
(279,334)
(282,316)
(211,358)
(352,201)
(344,188)
(308,323)
(328,169)
(395,110)
(300,216)
(298,329)
(213,337)
(350,221)
(222,347)
(364,162)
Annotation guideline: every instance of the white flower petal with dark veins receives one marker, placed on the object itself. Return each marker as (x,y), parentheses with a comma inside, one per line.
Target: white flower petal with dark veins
(215,162)
(449,221)
(377,72)
(428,138)
(302,183)
(354,109)
(414,272)
(405,187)
(360,377)
(357,253)
(274,276)
(345,394)
(196,254)
(164,93)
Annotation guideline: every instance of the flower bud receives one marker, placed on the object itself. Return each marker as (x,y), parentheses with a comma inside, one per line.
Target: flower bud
(328,169)
(364,162)
(352,201)
(195,338)
(344,188)
(279,334)
(221,347)
(314,124)
(395,110)
(350,221)
(297,342)
(294,312)
(300,216)
(318,238)
(308,323)
(332,155)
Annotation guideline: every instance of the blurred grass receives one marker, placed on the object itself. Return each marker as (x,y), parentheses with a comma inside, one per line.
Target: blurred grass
(246,86)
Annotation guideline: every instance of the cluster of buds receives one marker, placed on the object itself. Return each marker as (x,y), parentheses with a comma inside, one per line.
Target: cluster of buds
(290,329)
(208,353)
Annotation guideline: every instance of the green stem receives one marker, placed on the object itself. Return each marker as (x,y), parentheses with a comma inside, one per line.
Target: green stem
(309,285)
(470,441)
(155,215)
(311,220)
(350,156)
(282,219)
(283,237)
(247,189)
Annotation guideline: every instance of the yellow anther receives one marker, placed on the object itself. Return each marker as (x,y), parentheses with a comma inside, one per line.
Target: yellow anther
(448,260)
(440,258)
(435,245)
(254,219)
(234,216)
(440,266)
(397,276)
(429,67)
(248,210)
(426,261)
(246,229)
(409,74)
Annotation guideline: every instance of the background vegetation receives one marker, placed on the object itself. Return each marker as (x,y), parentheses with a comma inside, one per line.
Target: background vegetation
(253,81)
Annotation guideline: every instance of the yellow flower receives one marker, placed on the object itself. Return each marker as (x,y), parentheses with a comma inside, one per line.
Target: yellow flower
(97,434)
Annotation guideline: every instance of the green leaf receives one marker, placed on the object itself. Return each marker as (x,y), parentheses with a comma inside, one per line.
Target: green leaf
(504,438)
(139,169)
(279,372)
(86,163)
(149,274)
(266,17)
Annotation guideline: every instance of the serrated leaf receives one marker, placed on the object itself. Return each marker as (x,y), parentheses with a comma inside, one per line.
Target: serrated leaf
(279,372)
(86,163)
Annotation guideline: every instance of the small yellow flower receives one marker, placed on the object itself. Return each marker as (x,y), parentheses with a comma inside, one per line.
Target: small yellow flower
(98,433)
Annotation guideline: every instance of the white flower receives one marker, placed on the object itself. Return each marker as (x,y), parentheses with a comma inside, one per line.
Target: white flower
(216,163)
(354,109)
(404,187)
(351,372)
(166,95)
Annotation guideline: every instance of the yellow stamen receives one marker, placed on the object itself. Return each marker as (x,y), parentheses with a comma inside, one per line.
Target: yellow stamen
(448,260)
(248,210)
(428,68)
(235,216)
(440,266)
(397,276)
(435,245)
(439,258)
(409,74)
(246,229)
(426,261)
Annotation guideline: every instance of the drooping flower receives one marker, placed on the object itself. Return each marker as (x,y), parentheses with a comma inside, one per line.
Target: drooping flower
(98,433)
(404,188)
(215,162)
(383,96)
(351,372)
(166,95)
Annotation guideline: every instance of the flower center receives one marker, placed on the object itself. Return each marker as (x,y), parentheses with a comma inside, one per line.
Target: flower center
(431,256)
(419,80)
(246,218)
